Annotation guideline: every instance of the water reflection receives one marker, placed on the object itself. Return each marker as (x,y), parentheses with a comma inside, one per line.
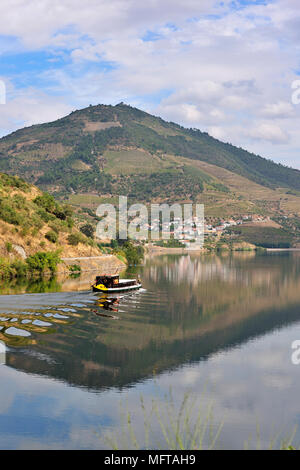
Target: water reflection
(109,303)
(32,286)
(193,310)
(190,308)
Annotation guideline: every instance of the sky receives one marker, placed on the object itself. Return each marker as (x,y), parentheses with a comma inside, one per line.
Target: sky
(225,67)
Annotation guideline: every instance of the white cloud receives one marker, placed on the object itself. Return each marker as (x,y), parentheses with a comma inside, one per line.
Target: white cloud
(270,132)
(217,132)
(30,107)
(228,71)
(36,22)
(201,91)
(278,110)
(236,102)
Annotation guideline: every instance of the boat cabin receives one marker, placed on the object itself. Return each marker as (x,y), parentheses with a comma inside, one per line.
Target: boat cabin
(108,281)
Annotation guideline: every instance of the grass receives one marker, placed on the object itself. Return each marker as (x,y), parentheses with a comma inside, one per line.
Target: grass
(85,199)
(80,166)
(157,127)
(129,162)
(188,426)
(185,428)
(91,201)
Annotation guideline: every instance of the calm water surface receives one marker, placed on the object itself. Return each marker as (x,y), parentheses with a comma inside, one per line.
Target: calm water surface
(219,327)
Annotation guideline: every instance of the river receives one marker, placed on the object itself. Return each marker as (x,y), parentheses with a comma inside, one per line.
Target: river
(217,327)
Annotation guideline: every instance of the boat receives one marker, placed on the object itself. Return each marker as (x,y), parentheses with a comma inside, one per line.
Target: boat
(111,284)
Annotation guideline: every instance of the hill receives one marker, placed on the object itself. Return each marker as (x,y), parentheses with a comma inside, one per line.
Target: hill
(102,151)
(32,221)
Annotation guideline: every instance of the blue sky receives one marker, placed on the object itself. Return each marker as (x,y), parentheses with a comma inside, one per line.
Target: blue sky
(224,67)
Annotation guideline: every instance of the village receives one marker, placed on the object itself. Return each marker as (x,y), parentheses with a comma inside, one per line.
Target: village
(194,230)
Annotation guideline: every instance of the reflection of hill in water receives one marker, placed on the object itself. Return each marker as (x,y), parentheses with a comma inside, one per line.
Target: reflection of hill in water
(175,321)
(60,283)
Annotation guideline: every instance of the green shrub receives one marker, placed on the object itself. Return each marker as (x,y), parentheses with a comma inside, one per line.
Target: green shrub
(5,269)
(70,222)
(75,238)
(13,182)
(133,253)
(42,261)
(35,264)
(8,214)
(51,236)
(114,244)
(20,268)
(8,247)
(19,201)
(44,215)
(11,270)
(48,203)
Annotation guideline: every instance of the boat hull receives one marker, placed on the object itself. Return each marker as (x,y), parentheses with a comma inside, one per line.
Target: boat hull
(110,290)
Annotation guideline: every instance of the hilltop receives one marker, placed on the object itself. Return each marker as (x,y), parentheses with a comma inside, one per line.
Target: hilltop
(100,152)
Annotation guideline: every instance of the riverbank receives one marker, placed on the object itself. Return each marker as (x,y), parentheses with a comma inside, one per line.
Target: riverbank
(104,264)
(51,263)
(207,248)
(282,249)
